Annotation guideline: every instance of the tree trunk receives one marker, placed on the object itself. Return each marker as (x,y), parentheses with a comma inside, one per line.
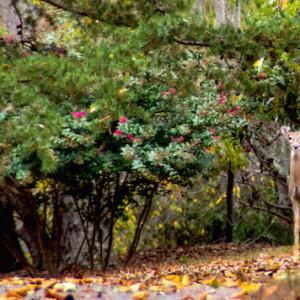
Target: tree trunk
(198,5)
(235,14)
(221,10)
(9,17)
(229,202)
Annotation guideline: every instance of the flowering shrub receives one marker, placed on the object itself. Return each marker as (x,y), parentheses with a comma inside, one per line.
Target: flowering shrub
(108,132)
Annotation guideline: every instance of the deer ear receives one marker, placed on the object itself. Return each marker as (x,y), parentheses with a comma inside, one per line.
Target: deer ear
(284,130)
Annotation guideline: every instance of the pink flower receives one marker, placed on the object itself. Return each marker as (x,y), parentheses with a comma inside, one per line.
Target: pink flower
(158,164)
(236,109)
(173,139)
(221,100)
(212,130)
(207,150)
(123,120)
(229,111)
(130,136)
(118,132)
(172,91)
(138,140)
(181,138)
(3,109)
(100,152)
(164,93)
(78,115)
(216,137)
(221,85)
(10,39)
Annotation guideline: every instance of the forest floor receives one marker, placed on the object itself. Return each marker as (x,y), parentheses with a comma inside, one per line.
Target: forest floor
(215,272)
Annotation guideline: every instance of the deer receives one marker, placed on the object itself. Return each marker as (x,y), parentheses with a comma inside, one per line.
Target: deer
(294,180)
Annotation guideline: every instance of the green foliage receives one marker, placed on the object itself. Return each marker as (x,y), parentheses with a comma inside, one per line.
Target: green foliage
(118,101)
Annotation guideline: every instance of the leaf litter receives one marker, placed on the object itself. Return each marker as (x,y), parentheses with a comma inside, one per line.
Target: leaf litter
(222,271)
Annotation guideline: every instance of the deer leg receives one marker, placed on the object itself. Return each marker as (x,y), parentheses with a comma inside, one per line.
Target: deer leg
(296,226)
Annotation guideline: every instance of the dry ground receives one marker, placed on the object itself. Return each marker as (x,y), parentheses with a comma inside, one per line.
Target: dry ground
(222,271)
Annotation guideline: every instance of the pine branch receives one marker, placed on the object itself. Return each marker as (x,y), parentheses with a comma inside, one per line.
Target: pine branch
(191,43)
(65,8)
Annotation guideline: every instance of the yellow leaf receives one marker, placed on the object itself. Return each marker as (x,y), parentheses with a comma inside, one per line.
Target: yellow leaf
(213,150)
(88,21)
(202,231)
(160,225)
(180,209)
(247,287)
(252,178)
(213,190)
(111,56)
(284,3)
(261,110)
(186,280)
(235,98)
(272,183)
(255,65)
(224,195)
(258,63)
(93,107)
(121,92)
(211,204)
(175,278)
(175,224)
(195,200)
(219,200)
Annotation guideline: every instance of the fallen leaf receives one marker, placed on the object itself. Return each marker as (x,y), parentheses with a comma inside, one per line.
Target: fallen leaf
(49,293)
(187,297)
(140,295)
(186,280)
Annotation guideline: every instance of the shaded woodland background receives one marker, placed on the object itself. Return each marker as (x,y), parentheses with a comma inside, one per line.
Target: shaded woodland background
(132,125)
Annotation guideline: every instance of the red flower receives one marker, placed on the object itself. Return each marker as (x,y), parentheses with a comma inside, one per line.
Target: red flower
(164,93)
(216,137)
(212,130)
(100,152)
(130,136)
(78,115)
(118,132)
(172,91)
(181,138)
(229,111)
(123,120)
(221,85)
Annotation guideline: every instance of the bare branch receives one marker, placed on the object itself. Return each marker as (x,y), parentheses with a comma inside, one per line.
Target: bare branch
(65,8)
(191,43)
(266,210)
